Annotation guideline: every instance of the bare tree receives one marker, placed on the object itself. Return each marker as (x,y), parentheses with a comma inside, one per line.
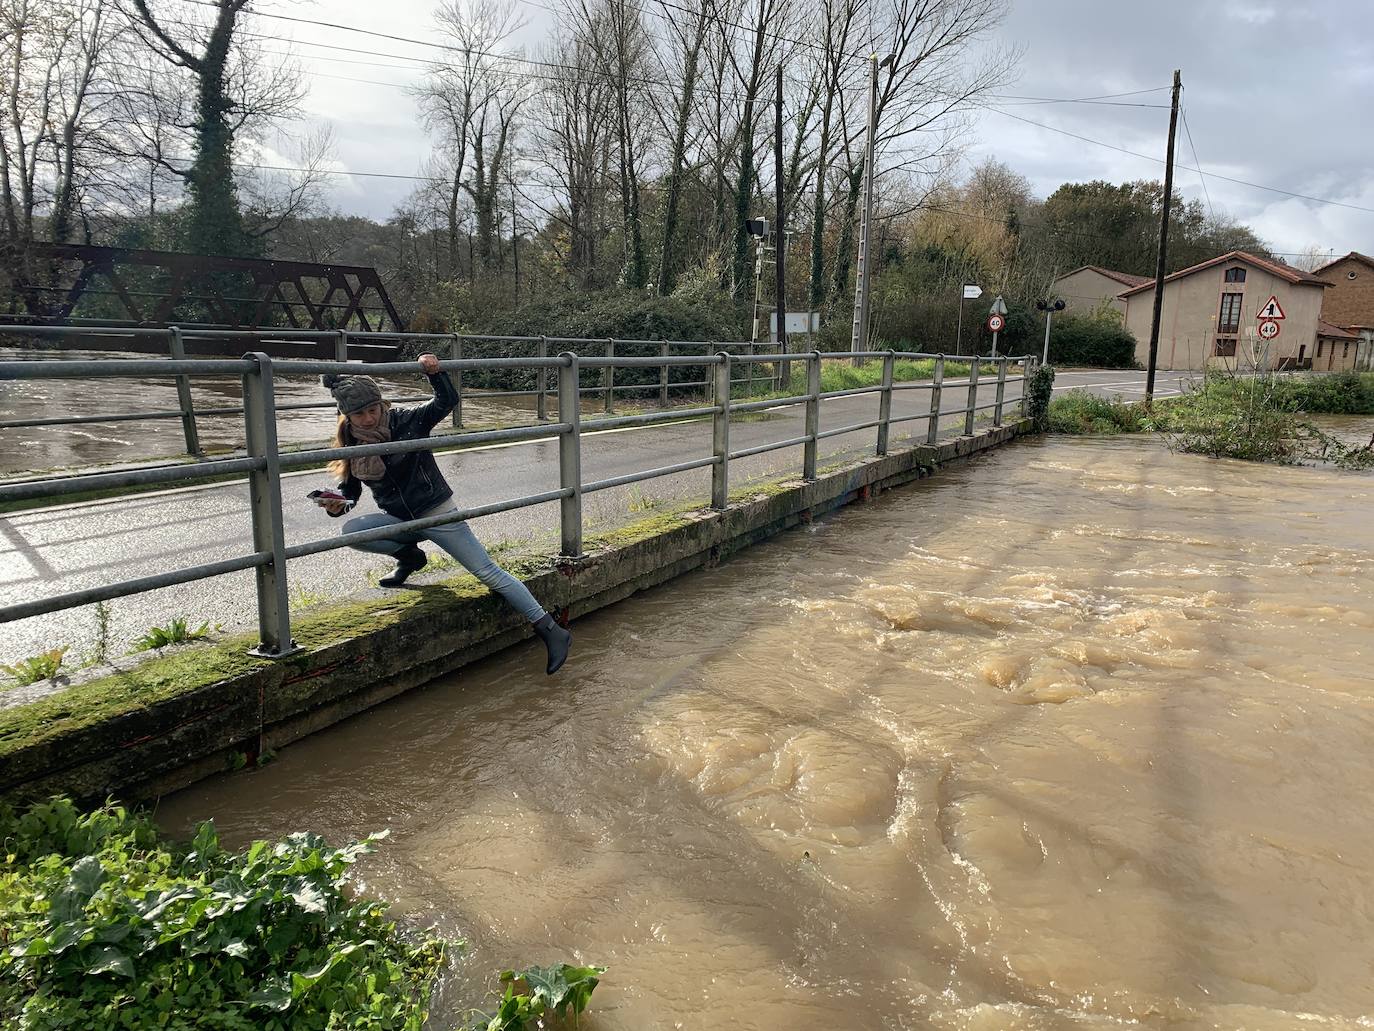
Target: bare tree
(576,118)
(55,60)
(924,95)
(470,102)
(686,42)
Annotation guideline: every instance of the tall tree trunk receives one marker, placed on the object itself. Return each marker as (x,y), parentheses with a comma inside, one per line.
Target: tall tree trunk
(216,224)
(744,193)
(845,248)
(667,266)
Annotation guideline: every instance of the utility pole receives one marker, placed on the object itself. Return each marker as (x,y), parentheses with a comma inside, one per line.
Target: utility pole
(1163,244)
(860,331)
(779,232)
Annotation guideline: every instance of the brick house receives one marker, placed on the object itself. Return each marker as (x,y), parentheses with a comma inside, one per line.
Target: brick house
(1093,286)
(1349,302)
(1210,314)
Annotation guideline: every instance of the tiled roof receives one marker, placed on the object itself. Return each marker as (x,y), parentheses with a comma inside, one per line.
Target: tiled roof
(1353,254)
(1287,272)
(1124,278)
(1325,329)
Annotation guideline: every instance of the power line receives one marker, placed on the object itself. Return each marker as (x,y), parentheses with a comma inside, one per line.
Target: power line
(1160,161)
(1198,161)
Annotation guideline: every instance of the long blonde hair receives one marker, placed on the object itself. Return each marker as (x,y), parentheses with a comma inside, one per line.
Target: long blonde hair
(341,468)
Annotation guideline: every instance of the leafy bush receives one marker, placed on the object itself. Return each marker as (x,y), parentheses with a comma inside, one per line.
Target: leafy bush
(1343,393)
(1077,411)
(35,668)
(1230,416)
(1094,338)
(1039,392)
(557,991)
(107,927)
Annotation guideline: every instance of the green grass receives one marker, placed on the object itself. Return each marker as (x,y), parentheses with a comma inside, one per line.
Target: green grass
(838,374)
(1079,412)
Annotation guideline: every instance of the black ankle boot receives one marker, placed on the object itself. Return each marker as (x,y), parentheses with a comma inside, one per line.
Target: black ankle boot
(557,640)
(408,560)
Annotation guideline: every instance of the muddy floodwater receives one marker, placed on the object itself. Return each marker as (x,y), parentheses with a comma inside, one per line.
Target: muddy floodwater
(1079,736)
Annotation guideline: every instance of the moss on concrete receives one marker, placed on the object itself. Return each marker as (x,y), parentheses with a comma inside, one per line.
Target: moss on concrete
(87,704)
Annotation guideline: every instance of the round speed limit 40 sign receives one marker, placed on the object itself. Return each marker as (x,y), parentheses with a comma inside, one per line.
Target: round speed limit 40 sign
(996,323)
(1268,329)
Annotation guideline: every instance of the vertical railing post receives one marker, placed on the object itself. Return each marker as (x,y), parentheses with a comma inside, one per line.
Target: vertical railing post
(749,382)
(885,401)
(570,455)
(341,346)
(1001,390)
(720,433)
(177,350)
(813,414)
(971,410)
(663,374)
(610,376)
(1027,371)
(542,378)
(455,350)
(710,380)
(933,426)
(264,491)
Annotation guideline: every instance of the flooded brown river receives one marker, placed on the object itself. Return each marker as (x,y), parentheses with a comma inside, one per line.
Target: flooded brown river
(1076,737)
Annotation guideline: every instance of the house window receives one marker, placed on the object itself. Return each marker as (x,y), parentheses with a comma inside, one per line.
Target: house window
(1351,275)
(1235,275)
(1346,352)
(1225,348)
(1319,348)
(1228,321)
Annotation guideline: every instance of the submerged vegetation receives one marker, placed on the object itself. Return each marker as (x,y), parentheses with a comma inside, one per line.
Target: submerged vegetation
(1252,418)
(108,925)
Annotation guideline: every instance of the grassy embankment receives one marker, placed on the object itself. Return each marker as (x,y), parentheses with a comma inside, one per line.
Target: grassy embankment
(1255,418)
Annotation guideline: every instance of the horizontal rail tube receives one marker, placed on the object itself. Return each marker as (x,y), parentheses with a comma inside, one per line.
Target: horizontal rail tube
(315,456)
(838,430)
(915,385)
(312,367)
(648,474)
(848,392)
(762,448)
(97,369)
(629,362)
(647,419)
(127,478)
(758,406)
(382,533)
(124,588)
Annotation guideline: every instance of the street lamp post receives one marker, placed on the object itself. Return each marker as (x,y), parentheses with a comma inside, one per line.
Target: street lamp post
(1049,308)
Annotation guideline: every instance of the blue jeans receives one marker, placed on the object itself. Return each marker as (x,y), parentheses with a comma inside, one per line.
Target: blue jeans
(460,542)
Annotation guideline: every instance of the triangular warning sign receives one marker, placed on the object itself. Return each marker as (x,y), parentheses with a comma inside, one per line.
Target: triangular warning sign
(1271,309)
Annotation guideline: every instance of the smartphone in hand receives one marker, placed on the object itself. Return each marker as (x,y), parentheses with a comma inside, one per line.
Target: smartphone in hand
(328,496)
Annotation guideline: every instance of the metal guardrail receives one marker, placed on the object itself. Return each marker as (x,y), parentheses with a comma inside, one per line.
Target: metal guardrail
(344,341)
(264,461)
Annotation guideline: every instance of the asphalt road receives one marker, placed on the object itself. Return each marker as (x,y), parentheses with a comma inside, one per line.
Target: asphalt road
(67,548)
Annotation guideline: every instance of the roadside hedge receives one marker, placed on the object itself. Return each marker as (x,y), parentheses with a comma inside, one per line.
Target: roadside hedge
(1094,339)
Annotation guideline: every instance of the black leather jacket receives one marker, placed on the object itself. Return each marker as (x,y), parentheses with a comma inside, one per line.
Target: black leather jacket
(412,483)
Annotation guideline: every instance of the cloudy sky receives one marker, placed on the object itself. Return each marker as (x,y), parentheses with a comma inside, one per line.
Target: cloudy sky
(1275,93)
